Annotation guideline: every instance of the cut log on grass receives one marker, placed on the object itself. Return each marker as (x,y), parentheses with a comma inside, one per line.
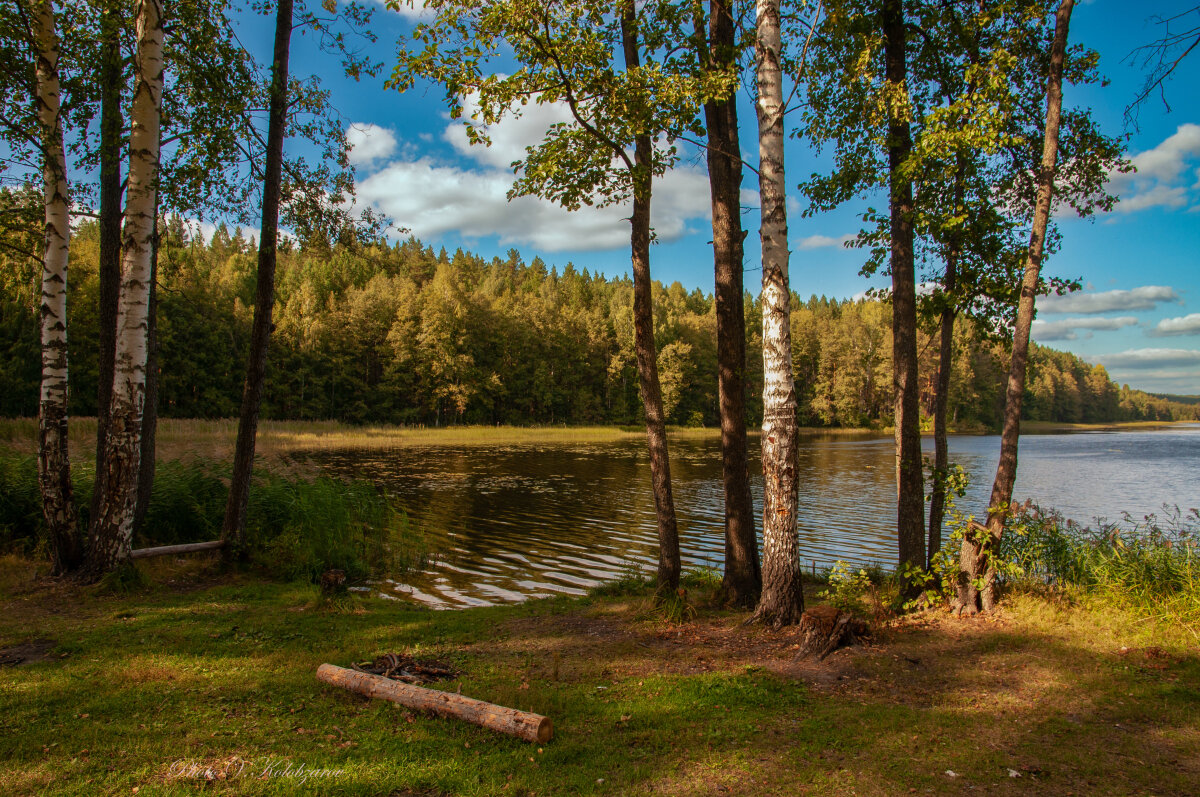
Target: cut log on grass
(522,724)
(167,550)
(826,628)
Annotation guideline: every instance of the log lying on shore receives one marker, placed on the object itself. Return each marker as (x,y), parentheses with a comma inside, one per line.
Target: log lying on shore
(167,550)
(522,724)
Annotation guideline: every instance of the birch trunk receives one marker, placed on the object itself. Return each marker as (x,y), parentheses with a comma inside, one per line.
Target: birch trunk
(742,582)
(54,466)
(112,529)
(910,496)
(782,600)
(669,564)
(234,526)
(977,570)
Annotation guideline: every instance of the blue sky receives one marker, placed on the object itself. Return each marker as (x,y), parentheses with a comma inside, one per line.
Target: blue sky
(1139,312)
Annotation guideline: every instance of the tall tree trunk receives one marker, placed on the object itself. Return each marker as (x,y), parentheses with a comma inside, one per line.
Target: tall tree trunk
(234,528)
(669,564)
(54,464)
(782,600)
(941,403)
(742,582)
(110,231)
(112,529)
(150,413)
(910,496)
(977,570)
(941,398)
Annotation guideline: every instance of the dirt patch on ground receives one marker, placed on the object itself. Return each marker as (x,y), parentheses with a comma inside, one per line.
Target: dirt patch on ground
(26,652)
(635,646)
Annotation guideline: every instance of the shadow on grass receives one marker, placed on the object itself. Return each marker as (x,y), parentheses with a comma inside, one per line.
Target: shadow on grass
(640,706)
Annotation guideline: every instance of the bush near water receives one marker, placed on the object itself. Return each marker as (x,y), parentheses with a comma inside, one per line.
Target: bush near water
(297,526)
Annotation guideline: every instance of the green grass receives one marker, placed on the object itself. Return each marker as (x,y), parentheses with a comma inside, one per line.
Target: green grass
(298,525)
(215,674)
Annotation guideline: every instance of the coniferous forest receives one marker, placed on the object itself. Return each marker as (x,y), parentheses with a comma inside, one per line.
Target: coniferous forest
(406,335)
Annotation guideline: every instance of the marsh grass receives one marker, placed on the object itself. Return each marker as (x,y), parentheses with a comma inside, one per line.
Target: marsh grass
(190,439)
(298,525)
(1150,566)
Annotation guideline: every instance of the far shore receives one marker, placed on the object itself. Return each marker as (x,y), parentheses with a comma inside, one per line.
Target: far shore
(194,438)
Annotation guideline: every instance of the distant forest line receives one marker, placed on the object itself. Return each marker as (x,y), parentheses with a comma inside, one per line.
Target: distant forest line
(403,334)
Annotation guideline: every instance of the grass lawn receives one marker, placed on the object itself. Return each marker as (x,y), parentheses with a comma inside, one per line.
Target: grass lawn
(205,683)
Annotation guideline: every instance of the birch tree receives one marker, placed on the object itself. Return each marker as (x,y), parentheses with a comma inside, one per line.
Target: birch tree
(111,536)
(54,466)
(782,600)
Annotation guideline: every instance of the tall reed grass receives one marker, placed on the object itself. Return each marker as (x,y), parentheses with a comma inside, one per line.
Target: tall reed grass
(297,526)
(1150,565)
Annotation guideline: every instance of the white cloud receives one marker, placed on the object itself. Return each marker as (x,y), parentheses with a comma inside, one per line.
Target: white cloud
(1160,196)
(1179,382)
(510,137)
(413,9)
(433,200)
(1185,325)
(824,241)
(470,197)
(1151,358)
(1162,173)
(1066,329)
(1141,298)
(369,143)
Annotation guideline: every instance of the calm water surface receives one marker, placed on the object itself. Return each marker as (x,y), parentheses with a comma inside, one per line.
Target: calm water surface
(513,522)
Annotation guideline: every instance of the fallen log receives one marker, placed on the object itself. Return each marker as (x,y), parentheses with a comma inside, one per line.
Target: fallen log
(167,550)
(522,724)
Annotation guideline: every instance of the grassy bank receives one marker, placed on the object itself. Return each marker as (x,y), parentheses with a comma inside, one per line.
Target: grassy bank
(205,682)
(213,440)
(1051,427)
(297,526)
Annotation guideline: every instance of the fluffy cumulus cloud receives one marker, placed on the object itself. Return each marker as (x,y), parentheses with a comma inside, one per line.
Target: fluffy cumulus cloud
(823,241)
(1163,177)
(413,9)
(1145,297)
(469,198)
(1069,328)
(369,143)
(1184,325)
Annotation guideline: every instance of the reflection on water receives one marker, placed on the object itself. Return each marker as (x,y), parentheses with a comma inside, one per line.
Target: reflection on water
(513,522)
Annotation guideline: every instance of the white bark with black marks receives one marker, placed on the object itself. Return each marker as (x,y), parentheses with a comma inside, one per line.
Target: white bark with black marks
(782,601)
(112,533)
(54,467)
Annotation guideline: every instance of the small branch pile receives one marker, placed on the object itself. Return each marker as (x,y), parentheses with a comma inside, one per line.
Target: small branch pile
(402,667)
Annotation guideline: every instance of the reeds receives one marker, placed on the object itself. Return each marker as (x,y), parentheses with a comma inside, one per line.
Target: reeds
(298,526)
(1151,565)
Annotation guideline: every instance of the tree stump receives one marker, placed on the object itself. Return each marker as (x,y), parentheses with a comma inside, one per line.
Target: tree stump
(333,582)
(826,628)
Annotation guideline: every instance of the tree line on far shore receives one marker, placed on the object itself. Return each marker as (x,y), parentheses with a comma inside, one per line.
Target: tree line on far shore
(404,334)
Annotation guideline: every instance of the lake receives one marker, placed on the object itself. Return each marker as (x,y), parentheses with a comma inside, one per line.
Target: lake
(513,522)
